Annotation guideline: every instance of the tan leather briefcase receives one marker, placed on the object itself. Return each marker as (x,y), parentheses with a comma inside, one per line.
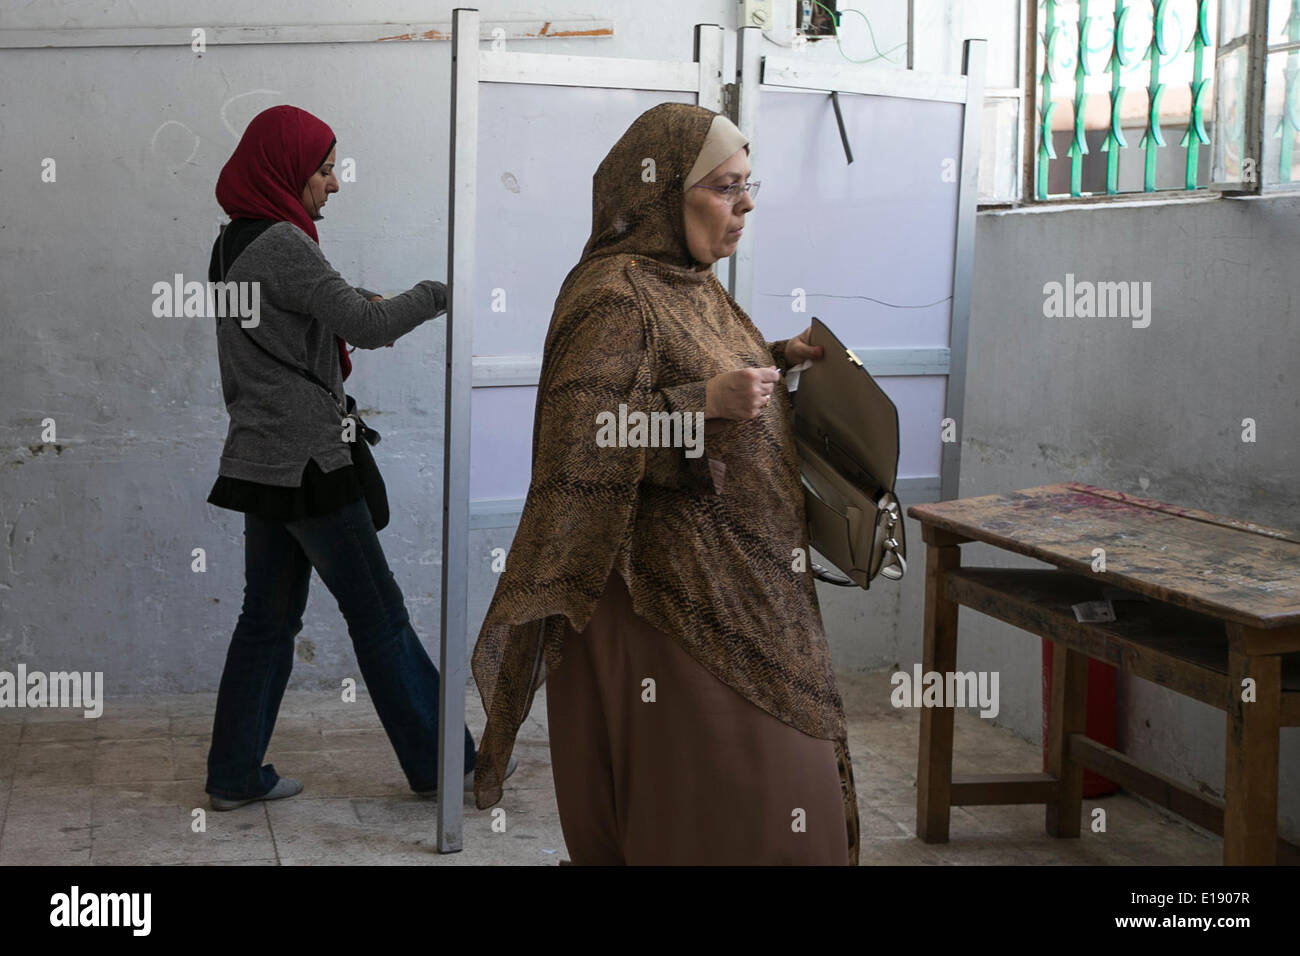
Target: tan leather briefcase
(846,429)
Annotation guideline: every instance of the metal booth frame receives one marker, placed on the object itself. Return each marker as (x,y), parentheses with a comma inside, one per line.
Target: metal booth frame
(470,67)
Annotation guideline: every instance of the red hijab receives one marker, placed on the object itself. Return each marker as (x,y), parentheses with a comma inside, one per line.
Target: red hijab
(264,177)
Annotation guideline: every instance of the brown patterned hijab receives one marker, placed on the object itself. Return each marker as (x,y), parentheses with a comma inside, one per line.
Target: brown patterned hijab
(638,205)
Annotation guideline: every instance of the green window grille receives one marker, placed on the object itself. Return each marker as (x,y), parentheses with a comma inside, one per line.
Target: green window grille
(1112,67)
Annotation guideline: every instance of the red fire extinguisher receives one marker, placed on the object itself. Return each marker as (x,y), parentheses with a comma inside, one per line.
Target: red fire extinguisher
(1099,723)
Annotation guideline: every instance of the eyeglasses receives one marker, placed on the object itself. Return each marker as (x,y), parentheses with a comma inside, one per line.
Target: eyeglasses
(731,194)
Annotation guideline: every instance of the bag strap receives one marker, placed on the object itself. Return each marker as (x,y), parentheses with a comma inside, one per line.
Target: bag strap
(893,563)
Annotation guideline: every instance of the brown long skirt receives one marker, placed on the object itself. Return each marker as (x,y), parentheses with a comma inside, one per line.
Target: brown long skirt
(696,776)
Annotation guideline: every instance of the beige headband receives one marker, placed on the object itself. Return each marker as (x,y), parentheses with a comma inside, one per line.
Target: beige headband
(723,140)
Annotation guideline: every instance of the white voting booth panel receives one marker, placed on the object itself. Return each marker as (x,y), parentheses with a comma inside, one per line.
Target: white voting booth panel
(500,462)
(538,149)
(879,249)
(861,239)
(866,245)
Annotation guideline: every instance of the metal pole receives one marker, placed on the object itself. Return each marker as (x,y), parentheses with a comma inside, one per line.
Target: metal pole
(973,66)
(839,121)
(1256,75)
(709,41)
(911,34)
(708,54)
(749,68)
(456,424)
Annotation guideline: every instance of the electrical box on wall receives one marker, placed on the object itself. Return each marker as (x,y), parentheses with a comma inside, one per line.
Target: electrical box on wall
(815,18)
(756,13)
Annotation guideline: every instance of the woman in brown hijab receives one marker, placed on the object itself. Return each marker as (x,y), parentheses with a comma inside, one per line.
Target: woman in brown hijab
(659,592)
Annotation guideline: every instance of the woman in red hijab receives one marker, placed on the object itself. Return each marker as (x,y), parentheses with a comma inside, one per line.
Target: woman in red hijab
(287,462)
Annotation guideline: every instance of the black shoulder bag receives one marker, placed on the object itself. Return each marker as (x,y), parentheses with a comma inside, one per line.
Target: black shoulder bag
(363,461)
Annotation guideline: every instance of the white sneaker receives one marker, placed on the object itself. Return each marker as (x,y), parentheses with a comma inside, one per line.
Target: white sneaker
(283,788)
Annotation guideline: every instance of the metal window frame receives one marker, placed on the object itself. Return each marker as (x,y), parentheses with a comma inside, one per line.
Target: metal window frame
(786,72)
(1259,107)
(1287,186)
(1255,39)
(1029,115)
(471,67)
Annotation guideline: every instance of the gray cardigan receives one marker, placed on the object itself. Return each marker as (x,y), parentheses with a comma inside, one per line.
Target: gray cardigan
(278,419)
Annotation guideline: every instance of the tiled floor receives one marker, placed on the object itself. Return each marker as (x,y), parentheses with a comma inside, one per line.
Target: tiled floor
(125,788)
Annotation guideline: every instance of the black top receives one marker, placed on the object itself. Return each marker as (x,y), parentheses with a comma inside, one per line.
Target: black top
(318,493)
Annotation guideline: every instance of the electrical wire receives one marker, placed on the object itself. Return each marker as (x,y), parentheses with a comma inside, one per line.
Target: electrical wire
(835,28)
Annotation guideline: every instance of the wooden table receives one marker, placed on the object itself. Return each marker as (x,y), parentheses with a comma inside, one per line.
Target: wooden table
(1223,606)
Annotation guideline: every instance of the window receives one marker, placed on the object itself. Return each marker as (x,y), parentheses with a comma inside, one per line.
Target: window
(1124,93)
(1144,96)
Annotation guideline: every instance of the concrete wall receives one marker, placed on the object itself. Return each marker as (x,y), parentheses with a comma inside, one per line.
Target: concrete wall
(1155,411)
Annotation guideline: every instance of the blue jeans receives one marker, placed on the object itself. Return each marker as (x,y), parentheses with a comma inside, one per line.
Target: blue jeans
(279,556)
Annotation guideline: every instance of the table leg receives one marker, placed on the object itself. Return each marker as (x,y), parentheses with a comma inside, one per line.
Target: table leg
(939,654)
(1251,755)
(1069,716)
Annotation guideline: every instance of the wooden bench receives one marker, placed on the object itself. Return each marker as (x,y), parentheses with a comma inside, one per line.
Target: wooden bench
(1223,606)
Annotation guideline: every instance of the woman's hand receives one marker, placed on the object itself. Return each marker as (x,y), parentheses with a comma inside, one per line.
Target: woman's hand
(798,350)
(739,395)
